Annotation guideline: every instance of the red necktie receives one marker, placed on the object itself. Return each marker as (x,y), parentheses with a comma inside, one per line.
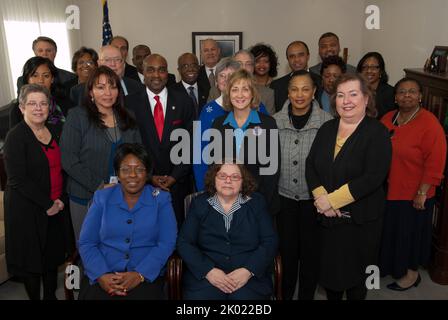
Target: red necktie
(158,117)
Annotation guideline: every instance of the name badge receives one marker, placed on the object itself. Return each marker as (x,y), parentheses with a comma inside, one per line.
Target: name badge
(113,180)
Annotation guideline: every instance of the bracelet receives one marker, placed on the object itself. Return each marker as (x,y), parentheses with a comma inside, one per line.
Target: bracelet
(142,278)
(421,193)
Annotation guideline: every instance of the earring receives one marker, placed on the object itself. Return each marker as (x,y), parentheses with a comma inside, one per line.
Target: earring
(93,100)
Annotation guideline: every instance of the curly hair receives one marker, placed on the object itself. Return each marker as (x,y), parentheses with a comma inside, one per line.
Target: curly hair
(260,50)
(82,51)
(248,186)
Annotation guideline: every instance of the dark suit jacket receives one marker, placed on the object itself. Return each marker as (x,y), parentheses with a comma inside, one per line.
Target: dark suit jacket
(77,92)
(63,76)
(280,87)
(384,99)
(267,184)
(131,72)
(179,115)
(203,80)
(27,198)
(202,98)
(203,243)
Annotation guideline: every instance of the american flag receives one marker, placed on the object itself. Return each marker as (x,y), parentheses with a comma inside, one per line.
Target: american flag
(107,30)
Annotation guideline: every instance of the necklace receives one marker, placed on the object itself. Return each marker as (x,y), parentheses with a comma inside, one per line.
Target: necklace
(409,119)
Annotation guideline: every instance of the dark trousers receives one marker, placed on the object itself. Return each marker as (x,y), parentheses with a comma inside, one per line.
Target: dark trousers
(355,293)
(299,241)
(49,281)
(144,291)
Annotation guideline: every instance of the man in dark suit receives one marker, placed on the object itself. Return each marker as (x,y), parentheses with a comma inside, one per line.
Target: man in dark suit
(123,45)
(159,111)
(298,56)
(46,47)
(210,56)
(109,56)
(188,67)
(139,53)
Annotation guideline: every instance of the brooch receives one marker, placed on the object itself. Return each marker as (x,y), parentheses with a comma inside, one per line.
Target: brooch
(156,192)
(257,131)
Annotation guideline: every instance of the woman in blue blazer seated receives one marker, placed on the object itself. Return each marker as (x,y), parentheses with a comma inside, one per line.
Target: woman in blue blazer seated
(128,234)
(227,241)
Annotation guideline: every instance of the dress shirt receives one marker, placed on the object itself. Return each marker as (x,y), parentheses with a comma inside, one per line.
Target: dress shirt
(195,86)
(163,99)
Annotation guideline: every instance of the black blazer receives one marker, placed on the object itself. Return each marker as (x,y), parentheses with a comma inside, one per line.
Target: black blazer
(202,98)
(363,163)
(203,81)
(131,72)
(178,115)
(280,87)
(27,198)
(77,92)
(267,184)
(384,99)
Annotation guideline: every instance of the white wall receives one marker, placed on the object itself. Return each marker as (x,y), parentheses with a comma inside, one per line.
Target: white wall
(409,31)
(166,25)
(409,28)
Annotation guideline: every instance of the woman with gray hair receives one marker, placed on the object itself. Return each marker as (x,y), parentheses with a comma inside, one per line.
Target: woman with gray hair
(36,222)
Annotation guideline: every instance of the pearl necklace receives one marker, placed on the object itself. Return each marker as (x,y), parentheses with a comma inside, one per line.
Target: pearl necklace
(409,119)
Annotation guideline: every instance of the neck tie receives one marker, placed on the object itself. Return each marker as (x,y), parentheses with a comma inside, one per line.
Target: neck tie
(211,78)
(193,97)
(158,117)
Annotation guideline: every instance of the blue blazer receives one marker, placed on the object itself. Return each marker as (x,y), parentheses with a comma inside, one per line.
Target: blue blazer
(116,239)
(203,243)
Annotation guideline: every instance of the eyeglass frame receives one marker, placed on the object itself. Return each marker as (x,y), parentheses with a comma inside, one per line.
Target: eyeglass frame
(139,171)
(233,177)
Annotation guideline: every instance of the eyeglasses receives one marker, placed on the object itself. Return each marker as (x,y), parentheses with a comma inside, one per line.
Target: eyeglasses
(128,170)
(245,64)
(112,60)
(365,68)
(233,177)
(87,63)
(411,92)
(34,104)
(187,66)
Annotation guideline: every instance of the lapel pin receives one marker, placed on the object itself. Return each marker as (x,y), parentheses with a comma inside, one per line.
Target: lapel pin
(257,131)
(156,192)
(173,107)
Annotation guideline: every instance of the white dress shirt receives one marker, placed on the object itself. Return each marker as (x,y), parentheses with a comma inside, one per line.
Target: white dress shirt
(163,99)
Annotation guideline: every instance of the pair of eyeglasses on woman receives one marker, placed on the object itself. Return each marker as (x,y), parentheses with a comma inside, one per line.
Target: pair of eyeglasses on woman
(233,177)
(128,170)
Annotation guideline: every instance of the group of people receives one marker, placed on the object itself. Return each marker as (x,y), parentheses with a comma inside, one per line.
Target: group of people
(330,166)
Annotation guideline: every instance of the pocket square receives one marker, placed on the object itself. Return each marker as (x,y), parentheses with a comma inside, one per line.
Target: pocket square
(177,122)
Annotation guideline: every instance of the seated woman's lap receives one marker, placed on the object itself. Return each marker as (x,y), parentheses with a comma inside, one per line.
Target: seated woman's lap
(213,293)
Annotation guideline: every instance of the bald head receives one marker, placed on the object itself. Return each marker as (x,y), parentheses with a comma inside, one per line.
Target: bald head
(155,70)
(188,67)
(111,56)
(210,53)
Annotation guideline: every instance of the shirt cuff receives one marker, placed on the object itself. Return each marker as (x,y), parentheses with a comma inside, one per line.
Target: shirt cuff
(319,191)
(340,197)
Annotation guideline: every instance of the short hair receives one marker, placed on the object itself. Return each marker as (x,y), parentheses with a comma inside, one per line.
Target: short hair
(328,35)
(26,89)
(249,184)
(136,149)
(45,39)
(264,50)
(383,74)
(407,79)
(125,120)
(225,63)
(122,38)
(140,46)
(301,73)
(371,110)
(237,76)
(82,51)
(298,42)
(208,39)
(333,60)
(244,51)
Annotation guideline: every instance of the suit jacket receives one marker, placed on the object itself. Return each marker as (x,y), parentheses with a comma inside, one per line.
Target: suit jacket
(280,87)
(131,72)
(267,183)
(179,115)
(77,92)
(266,97)
(62,77)
(203,81)
(27,198)
(384,99)
(251,243)
(86,150)
(202,98)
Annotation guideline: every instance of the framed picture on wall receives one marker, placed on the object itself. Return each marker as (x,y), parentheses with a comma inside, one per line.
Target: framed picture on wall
(229,42)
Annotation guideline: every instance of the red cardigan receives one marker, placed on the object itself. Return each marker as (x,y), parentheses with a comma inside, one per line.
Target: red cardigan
(418,155)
